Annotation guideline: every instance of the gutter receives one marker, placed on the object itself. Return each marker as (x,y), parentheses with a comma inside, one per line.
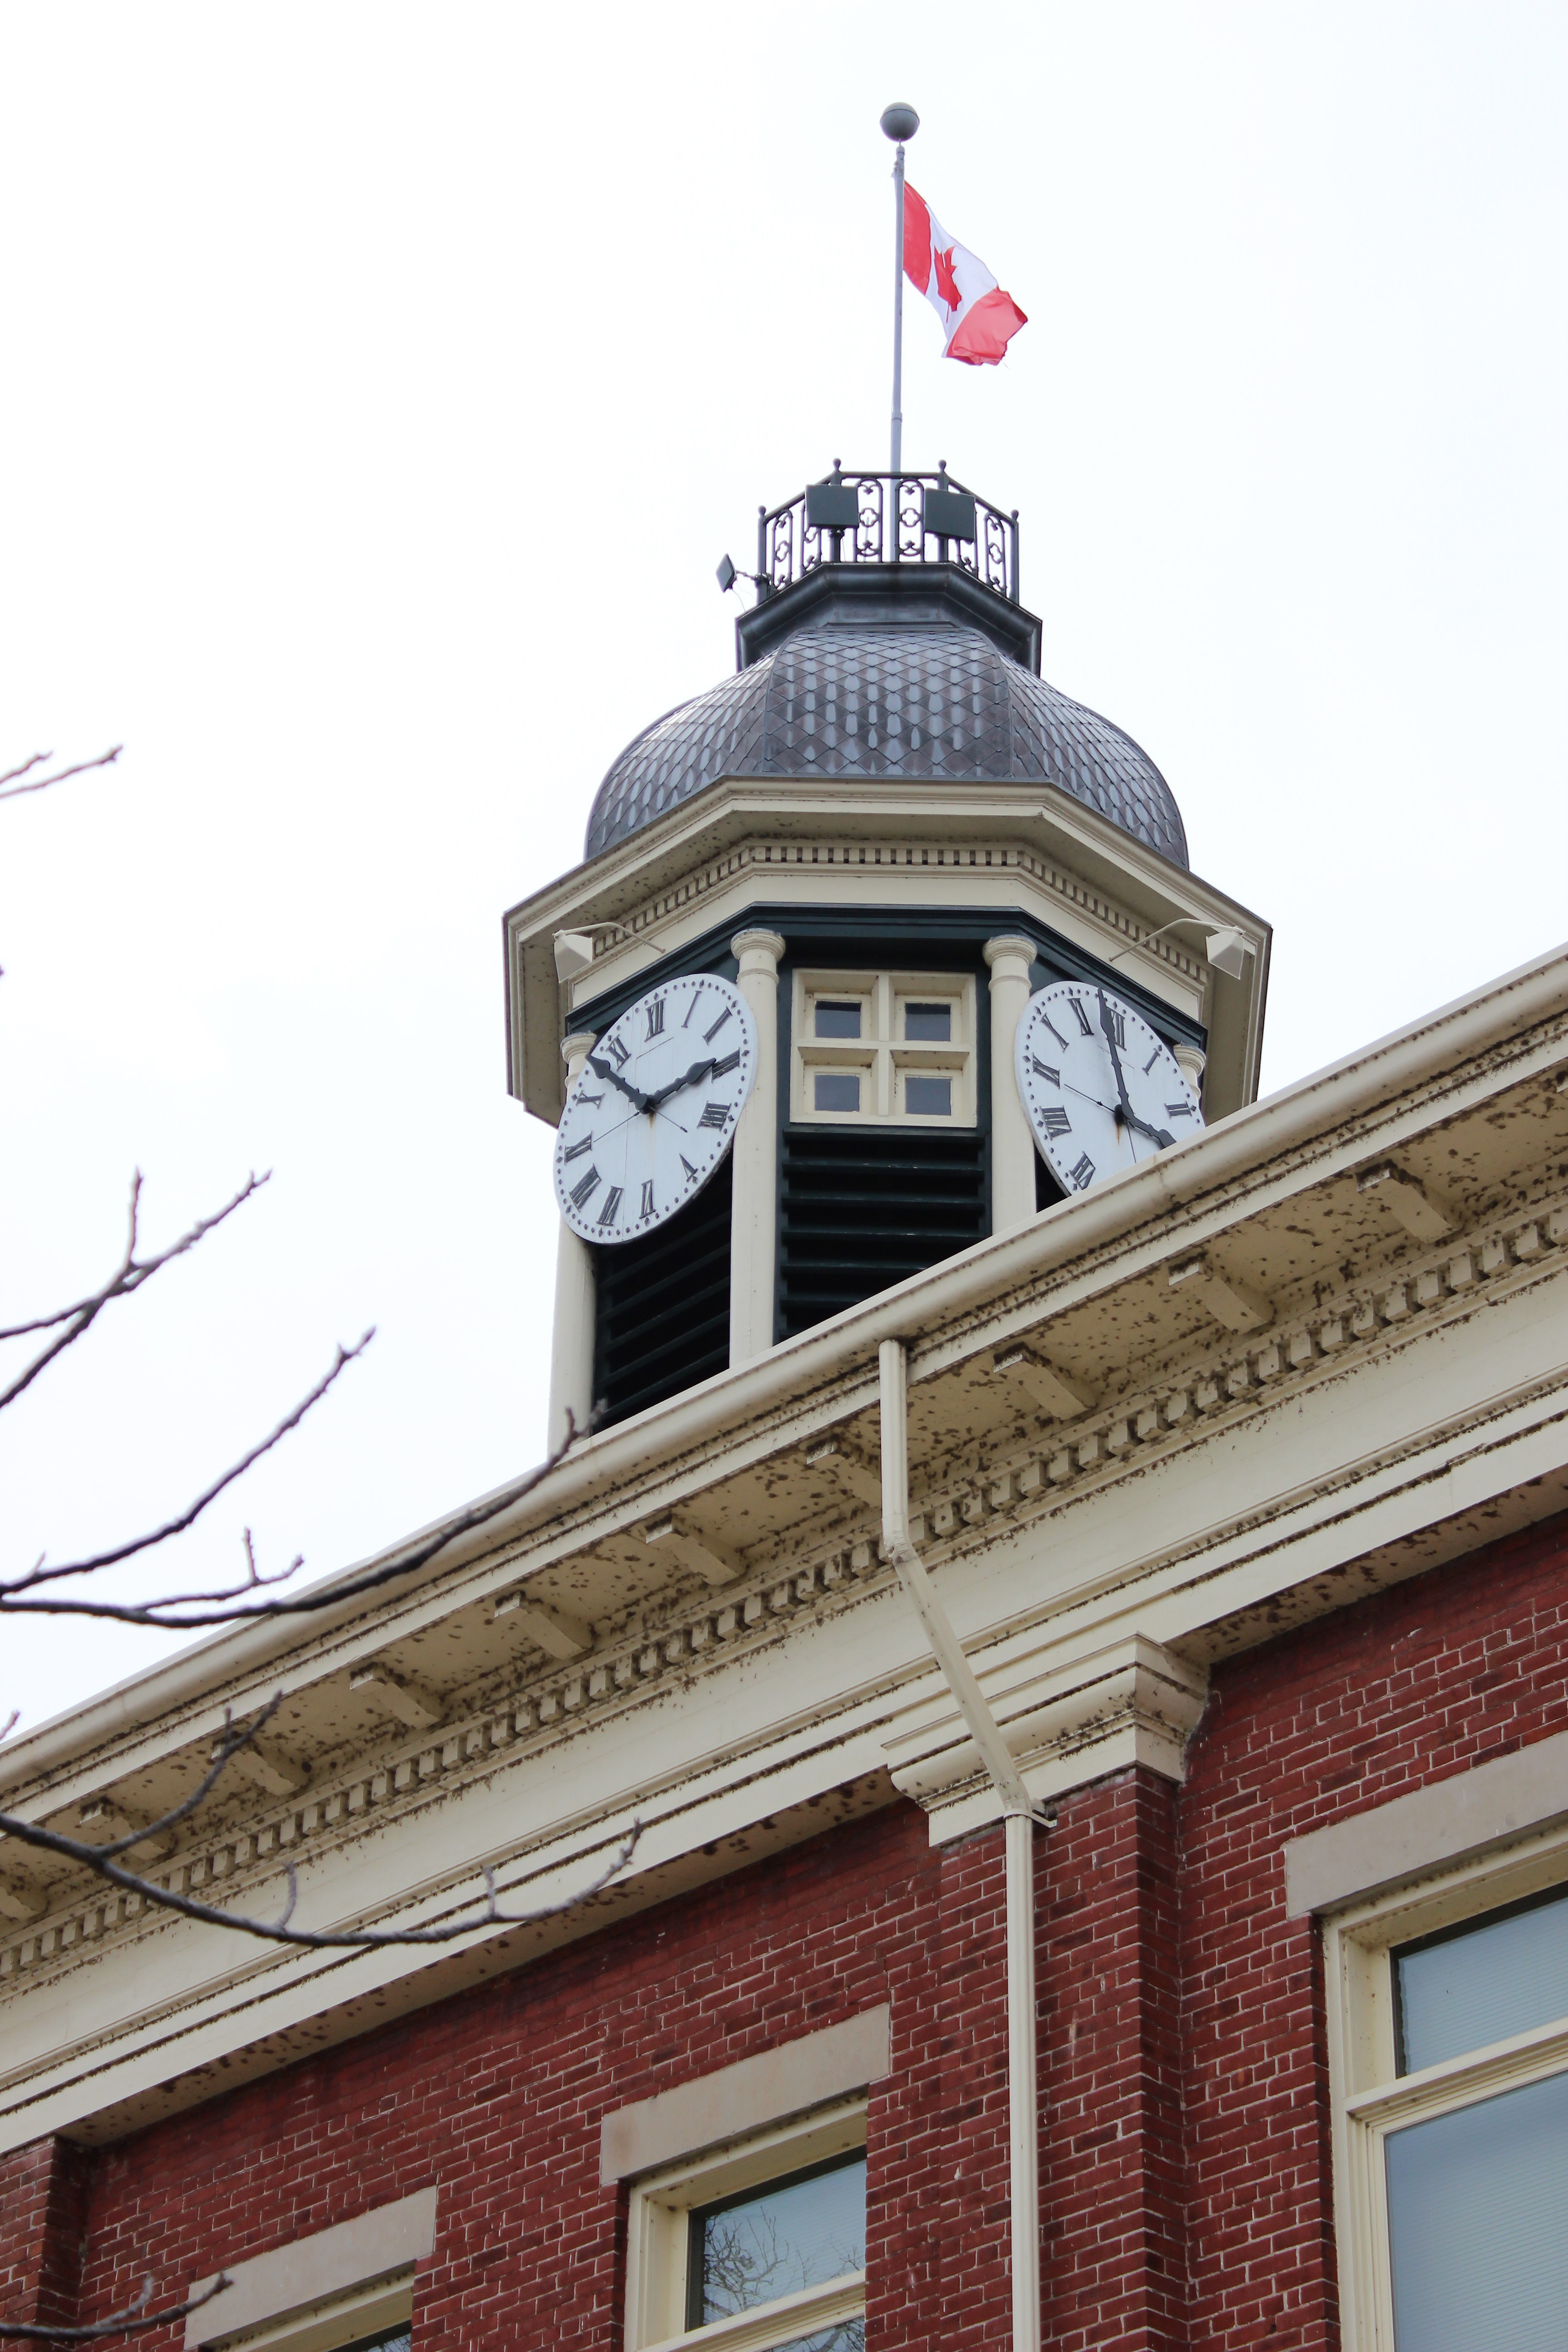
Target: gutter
(1019,1816)
(736,1401)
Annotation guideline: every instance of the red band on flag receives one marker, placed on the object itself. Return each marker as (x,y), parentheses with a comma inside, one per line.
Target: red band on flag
(917,239)
(986,329)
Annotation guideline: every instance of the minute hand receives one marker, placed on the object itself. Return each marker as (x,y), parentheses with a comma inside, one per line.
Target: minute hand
(1160,1135)
(698,1070)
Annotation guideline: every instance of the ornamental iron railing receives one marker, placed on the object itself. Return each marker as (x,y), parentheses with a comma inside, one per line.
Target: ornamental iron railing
(860,517)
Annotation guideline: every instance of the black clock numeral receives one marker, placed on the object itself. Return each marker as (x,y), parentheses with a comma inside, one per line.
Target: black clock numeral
(1082,1176)
(655,1019)
(613,1045)
(1084,1022)
(1178,1111)
(612,1204)
(1043,1070)
(647,1209)
(709,1034)
(689,1168)
(1051,1025)
(696,1001)
(1152,1060)
(714,1114)
(1118,1024)
(1055,1120)
(577,1150)
(730,1062)
(585,1186)
(587,1098)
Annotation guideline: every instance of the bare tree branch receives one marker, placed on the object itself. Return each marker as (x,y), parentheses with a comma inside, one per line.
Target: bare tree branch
(20,1598)
(131,2321)
(12,1591)
(42,784)
(126,1278)
(99,1859)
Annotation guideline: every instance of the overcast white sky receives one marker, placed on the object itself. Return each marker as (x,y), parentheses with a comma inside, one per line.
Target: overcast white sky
(382,385)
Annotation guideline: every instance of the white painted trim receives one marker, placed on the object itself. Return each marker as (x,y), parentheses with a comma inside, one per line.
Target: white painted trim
(747,2096)
(1368,2099)
(792,2315)
(1432,1826)
(308,2271)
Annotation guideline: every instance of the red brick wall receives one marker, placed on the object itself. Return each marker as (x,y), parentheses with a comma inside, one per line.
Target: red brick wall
(1440,1675)
(497,2095)
(1184,2185)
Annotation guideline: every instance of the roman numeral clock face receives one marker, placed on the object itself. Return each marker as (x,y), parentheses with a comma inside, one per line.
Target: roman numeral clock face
(1102,1090)
(652,1114)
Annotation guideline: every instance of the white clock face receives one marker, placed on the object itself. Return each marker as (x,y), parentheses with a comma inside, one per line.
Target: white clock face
(1102,1090)
(653,1112)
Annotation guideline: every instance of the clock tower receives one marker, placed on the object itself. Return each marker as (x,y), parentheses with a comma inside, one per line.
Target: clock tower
(882,946)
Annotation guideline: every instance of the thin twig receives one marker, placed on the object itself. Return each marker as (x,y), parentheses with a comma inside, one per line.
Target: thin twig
(131,2321)
(279,1930)
(42,784)
(13,1593)
(21,1599)
(128,1277)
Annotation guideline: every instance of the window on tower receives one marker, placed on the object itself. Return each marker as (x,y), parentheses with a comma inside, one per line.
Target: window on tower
(884,1048)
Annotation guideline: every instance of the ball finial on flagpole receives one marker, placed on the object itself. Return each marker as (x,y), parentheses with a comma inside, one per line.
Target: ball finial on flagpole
(899,122)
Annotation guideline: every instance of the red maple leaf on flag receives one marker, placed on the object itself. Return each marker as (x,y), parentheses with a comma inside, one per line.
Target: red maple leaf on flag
(946,283)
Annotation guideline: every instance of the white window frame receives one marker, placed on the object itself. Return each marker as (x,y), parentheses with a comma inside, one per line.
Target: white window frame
(883,1058)
(1370,2099)
(658,2237)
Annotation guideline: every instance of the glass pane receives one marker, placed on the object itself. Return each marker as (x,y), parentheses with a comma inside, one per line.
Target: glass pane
(837,1020)
(928,1097)
(928,1023)
(837,1090)
(777,2240)
(1501,1975)
(1478,2221)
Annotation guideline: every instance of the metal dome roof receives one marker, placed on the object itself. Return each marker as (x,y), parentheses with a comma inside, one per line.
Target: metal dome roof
(929,698)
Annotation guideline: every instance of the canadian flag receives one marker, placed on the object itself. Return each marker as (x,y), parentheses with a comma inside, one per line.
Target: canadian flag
(978,320)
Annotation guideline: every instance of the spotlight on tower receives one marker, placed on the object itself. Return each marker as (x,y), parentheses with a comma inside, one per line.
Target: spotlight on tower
(899,122)
(725,575)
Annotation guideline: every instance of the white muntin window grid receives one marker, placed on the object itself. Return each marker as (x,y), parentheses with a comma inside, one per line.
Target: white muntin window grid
(1376,2095)
(884,1049)
(659,2234)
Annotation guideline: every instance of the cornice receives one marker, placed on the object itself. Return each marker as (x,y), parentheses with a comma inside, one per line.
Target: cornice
(1009,1485)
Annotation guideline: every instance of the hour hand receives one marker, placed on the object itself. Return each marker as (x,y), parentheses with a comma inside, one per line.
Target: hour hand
(633,1094)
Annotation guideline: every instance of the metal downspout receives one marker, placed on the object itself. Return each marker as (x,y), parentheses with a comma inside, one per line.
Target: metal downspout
(1019,1813)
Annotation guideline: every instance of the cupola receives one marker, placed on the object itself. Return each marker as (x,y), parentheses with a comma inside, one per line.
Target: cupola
(776,1012)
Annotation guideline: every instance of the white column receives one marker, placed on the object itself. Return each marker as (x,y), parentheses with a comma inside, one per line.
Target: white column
(1191,1061)
(754,1216)
(572,1342)
(1011,1143)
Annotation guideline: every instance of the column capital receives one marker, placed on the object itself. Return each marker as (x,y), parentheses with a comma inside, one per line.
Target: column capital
(575,1050)
(758,953)
(1007,948)
(1191,1061)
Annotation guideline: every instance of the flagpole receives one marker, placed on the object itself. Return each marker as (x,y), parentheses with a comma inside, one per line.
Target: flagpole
(899,122)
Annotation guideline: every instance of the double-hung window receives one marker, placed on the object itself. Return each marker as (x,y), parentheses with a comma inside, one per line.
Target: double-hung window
(756,2247)
(1450,2030)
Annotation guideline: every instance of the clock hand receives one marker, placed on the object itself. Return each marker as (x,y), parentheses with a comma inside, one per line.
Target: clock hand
(635,1094)
(1139,1126)
(698,1070)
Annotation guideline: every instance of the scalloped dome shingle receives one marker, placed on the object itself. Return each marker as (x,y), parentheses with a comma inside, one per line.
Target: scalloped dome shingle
(934,699)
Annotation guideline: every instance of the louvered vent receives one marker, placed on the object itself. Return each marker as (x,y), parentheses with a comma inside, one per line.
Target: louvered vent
(661,1318)
(861,1208)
